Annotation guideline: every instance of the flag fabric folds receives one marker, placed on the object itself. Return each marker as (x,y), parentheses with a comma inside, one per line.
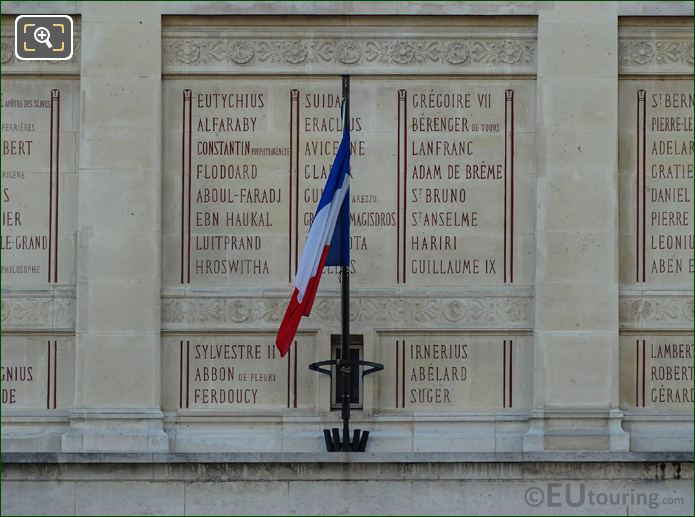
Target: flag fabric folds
(328,244)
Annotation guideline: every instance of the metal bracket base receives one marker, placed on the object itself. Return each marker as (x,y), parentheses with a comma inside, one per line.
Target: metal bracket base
(335,444)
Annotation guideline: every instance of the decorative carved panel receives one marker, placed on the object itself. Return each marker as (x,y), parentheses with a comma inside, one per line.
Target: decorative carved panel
(38,311)
(667,50)
(312,49)
(656,311)
(387,311)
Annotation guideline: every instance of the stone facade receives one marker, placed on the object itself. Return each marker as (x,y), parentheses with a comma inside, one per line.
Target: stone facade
(522,253)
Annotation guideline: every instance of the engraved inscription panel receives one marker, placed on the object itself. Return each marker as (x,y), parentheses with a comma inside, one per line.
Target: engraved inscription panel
(441,195)
(465,171)
(457,372)
(236,373)
(656,182)
(225,161)
(39,181)
(37,372)
(657,372)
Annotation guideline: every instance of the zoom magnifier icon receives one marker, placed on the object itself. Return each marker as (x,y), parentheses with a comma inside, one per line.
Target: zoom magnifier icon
(46,37)
(43,35)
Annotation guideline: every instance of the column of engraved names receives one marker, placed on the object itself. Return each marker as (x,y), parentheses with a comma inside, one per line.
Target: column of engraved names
(12,377)
(30,152)
(664,371)
(29,372)
(217,372)
(320,131)
(435,373)
(664,184)
(454,372)
(229,194)
(455,165)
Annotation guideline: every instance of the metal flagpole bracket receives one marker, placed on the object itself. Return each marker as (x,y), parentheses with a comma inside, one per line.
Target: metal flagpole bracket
(374,367)
(358,443)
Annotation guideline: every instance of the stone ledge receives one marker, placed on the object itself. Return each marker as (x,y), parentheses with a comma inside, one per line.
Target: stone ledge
(495,488)
(387,457)
(330,468)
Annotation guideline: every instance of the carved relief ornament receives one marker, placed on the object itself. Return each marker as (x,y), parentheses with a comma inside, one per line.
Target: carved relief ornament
(195,51)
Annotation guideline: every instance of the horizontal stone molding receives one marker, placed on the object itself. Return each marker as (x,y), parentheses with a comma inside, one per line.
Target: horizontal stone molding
(655,51)
(39,311)
(386,312)
(400,465)
(11,65)
(304,50)
(656,311)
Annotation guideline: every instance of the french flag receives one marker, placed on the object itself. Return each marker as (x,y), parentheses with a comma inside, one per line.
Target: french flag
(328,244)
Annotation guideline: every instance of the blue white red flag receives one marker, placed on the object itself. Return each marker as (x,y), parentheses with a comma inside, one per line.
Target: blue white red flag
(328,244)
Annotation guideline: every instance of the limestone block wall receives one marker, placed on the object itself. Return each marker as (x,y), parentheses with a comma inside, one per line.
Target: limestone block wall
(521,226)
(319,484)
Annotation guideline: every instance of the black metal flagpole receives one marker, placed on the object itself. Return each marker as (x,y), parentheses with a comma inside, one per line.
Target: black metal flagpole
(345,364)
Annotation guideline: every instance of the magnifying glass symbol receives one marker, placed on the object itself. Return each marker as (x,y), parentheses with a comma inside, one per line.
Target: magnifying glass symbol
(42,35)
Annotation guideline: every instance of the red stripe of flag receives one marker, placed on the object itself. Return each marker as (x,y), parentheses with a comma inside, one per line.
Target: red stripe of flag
(313,284)
(297,309)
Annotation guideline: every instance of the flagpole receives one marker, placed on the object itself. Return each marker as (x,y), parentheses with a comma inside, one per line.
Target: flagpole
(346,364)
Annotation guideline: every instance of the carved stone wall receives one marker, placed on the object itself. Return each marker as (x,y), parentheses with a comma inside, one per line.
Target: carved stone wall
(124,338)
(498,257)
(655,160)
(40,133)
